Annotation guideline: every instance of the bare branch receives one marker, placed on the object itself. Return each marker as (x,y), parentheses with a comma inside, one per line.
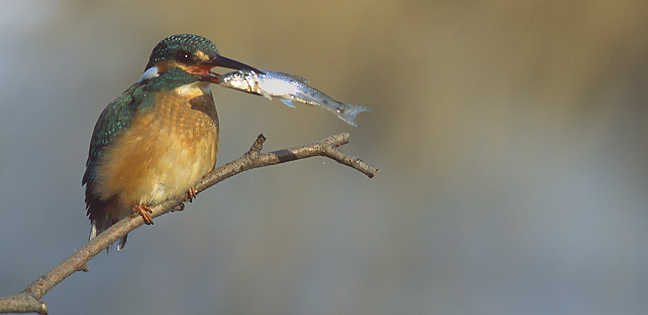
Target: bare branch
(28,301)
(22,303)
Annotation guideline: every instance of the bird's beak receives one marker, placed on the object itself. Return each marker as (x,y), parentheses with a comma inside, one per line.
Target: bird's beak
(224,62)
(220,61)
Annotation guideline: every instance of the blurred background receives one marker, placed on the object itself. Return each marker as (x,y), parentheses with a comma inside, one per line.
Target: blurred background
(510,135)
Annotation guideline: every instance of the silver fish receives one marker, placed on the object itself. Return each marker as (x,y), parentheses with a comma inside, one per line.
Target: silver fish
(289,88)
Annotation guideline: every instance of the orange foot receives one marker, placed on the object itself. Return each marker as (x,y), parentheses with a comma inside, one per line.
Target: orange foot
(145,212)
(192,193)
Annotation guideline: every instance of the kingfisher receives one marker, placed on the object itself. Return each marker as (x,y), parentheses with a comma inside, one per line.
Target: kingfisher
(159,137)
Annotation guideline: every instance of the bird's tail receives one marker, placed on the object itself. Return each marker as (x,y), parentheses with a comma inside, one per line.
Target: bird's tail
(101,220)
(97,227)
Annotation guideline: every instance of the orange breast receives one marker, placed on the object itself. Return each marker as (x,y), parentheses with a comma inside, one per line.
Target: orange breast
(167,149)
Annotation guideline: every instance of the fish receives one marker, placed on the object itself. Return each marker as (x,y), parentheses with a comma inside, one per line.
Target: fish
(289,88)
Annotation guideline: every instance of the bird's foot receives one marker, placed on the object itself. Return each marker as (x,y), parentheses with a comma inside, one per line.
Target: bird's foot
(145,212)
(192,194)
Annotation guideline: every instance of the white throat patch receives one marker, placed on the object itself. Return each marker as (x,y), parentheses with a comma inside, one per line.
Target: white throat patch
(193,89)
(150,73)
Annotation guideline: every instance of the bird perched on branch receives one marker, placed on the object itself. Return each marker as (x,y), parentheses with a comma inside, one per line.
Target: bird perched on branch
(159,137)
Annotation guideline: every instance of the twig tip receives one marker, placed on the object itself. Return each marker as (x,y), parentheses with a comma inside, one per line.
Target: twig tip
(257,146)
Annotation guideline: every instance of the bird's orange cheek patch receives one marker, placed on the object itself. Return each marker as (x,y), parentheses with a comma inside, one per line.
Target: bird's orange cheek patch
(200,69)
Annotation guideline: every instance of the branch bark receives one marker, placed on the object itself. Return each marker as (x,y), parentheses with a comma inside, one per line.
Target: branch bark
(28,301)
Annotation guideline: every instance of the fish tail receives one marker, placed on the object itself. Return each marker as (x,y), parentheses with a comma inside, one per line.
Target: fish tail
(351,112)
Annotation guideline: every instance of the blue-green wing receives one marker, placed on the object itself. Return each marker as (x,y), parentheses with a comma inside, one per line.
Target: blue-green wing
(113,121)
(115,118)
(119,114)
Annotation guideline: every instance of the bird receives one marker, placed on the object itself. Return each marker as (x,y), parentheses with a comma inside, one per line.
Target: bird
(157,139)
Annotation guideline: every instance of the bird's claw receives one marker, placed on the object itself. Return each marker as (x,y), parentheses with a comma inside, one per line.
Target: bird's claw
(192,194)
(145,212)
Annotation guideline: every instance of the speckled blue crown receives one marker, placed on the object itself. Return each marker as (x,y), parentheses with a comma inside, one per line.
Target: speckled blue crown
(169,47)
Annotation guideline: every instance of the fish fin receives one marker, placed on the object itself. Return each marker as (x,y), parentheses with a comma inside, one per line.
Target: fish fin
(265,94)
(294,77)
(288,102)
(350,114)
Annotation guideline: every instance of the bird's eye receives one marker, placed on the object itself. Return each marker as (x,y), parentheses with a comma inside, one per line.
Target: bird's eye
(184,56)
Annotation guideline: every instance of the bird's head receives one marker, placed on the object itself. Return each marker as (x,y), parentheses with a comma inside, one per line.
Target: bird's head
(192,54)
